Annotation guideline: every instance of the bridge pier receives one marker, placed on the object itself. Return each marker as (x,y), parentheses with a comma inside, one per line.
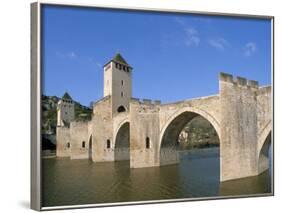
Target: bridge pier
(169,156)
(239,127)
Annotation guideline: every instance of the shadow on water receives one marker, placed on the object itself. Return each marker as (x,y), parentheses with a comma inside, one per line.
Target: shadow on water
(251,185)
(247,186)
(70,182)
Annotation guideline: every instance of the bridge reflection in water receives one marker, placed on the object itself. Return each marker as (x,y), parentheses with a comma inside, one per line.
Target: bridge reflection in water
(73,182)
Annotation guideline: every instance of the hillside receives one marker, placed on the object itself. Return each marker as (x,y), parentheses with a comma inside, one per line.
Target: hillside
(49,118)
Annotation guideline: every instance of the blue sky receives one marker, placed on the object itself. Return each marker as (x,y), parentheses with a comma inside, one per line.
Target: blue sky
(174,56)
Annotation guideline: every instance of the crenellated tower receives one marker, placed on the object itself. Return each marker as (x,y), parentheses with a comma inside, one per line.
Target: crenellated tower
(65,111)
(118,83)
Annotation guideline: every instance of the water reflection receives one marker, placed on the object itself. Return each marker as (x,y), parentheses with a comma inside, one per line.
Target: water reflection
(253,185)
(70,182)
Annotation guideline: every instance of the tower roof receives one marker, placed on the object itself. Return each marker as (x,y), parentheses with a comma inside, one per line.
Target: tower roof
(66,96)
(118,58)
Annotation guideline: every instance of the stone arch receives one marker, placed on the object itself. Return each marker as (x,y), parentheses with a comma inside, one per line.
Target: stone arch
(122,142)
(264,143)
(213,121)
(172,128)
(263,135)
(120,122)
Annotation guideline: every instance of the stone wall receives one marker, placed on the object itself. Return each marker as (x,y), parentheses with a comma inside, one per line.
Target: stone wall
(102,131)
(63,141)
(264,111)
(239,127)
(144,133)
(79,140)
(264,127)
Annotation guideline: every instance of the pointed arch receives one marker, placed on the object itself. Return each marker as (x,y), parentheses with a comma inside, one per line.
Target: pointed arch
(122,142)
(264,144)
(193,112)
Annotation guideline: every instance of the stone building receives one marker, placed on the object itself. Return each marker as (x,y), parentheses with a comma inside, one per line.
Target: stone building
(146,132)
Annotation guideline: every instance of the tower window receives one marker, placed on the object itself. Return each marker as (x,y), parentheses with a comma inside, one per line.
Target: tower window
(121,94)
(108,144)
(68,145)
(147,143)
(83,144)
(121,109)
(122,83)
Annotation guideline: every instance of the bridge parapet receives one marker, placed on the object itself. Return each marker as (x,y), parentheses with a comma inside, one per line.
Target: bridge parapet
(146,101)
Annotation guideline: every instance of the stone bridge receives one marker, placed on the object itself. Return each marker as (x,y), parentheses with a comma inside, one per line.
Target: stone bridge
(147,133)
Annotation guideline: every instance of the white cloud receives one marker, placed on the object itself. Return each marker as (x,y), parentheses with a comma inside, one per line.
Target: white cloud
(192,40)
(93,61)
(250,48)
(191,35)
(220,43)
(71,55)
(191,31)
(179,21)
(67,55)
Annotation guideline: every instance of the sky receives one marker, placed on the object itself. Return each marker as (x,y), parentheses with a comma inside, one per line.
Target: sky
(174,56)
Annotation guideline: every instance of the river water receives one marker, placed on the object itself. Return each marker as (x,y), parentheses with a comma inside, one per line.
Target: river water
(76,182)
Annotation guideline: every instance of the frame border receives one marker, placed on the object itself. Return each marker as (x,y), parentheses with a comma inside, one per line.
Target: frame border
(36,91)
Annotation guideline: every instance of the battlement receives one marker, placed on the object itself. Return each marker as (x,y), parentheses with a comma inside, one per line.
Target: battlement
(226,77)
(239,81)
(253,83)
(264,90)
(146,101)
